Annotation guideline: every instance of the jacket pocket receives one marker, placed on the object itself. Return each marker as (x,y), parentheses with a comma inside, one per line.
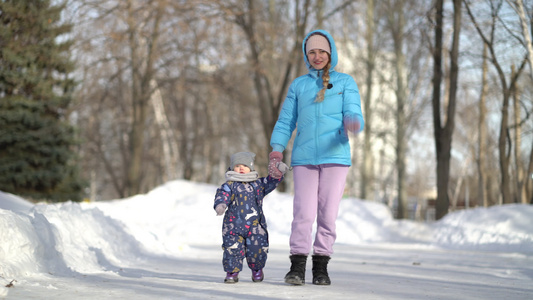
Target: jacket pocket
(343,136)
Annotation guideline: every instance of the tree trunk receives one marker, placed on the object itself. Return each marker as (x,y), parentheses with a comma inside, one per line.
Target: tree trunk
(396,20)
(519,8)
(528,180)
(482,135)
(261,82)
(170,156)
(142,73)
(505,184)
(442,201)
(519,165)
(443,134)
(367,172)
(139,106)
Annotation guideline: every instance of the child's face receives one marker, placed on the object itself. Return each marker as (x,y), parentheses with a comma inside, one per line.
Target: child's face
(241,169)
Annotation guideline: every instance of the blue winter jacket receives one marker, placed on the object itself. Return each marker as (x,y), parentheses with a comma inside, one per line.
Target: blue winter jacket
(320,136)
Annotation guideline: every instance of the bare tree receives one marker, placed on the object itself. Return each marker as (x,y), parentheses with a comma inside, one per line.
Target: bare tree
(519,165)
(215,60)
(143,55)
(168,140)
(269,100)
(405,62)
(367,170)
(396,21)
(128,48)
(504,142)
(482,133)
(518,6)
(443,131)
(523,183)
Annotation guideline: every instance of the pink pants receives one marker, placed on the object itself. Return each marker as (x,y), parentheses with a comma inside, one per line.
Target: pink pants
(318,191)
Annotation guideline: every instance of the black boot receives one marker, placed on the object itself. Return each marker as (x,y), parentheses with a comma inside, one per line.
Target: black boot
(320,270)
(296,275)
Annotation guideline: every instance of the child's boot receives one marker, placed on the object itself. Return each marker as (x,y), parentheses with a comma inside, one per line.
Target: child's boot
(296,275)
(232,277)
(257,275)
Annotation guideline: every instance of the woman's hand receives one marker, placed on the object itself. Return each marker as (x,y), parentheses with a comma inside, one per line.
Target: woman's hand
(352,124)
(275,158)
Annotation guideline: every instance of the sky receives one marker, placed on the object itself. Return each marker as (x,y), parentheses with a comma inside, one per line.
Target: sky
(166,244)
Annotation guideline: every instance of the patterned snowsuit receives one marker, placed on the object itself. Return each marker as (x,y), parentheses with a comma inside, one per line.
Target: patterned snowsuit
(244,228)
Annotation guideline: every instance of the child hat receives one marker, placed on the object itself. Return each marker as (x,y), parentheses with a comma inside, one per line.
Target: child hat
(243,158)
(317,41)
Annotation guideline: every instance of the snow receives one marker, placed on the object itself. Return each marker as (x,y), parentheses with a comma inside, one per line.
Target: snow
(166,245)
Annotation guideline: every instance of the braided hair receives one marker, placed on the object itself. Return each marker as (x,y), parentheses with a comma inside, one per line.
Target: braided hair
(325,81)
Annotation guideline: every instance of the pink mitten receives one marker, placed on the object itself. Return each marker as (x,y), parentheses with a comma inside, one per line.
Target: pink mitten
(352,124)
(275,158)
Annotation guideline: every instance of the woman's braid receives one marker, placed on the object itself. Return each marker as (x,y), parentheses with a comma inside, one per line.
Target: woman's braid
(325,82)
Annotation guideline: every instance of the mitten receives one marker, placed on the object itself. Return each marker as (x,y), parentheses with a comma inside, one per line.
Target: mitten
(220,209)
(275,158)
(352,124)
(283,168)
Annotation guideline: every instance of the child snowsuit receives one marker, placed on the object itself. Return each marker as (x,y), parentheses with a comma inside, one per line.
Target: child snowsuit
(244,228)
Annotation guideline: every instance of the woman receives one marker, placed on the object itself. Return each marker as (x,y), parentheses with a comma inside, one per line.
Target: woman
(322,106)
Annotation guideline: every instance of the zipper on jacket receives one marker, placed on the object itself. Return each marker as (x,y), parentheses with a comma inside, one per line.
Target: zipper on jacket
(317,121)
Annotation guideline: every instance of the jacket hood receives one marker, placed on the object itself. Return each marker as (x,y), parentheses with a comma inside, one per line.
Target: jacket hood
(334,57)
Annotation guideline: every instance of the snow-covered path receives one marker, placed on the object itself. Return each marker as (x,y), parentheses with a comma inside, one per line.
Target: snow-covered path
(166,245)
(365,272)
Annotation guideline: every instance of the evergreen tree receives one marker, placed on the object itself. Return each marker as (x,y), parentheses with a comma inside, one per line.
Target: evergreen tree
(37,154)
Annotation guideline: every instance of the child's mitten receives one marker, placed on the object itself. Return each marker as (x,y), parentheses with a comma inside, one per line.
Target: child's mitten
(220,209)
(283,168)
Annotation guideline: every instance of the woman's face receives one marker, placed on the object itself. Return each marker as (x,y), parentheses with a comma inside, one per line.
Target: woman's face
(318,58)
